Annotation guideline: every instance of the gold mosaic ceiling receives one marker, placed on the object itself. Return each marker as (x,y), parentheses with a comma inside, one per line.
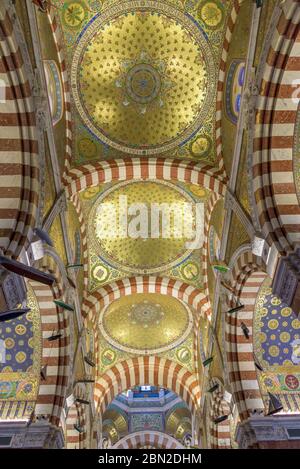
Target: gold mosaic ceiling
(141,255)
(146,322)
(143,77)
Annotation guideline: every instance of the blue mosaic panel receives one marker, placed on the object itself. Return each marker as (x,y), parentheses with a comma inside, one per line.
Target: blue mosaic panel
(234,88)
(277,332)
(17,336)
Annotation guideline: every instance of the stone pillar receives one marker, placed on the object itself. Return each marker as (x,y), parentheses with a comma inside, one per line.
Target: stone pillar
(261,432)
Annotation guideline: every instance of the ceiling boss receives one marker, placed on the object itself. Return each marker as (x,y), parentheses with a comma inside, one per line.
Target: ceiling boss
(143,77)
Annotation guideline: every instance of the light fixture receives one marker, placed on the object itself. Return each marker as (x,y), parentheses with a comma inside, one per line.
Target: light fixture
(13,314)
(78,428)
(63,305)
(71,283)
(82,401)
(43,235)
(88,360)
(85,380)
(221,419)
(207,361)
(235,309)
(74,266)
(275,405)
(222,268)
(54,337)
(27,271)
(43,372)
(213,388)
(258,366)
(246,330)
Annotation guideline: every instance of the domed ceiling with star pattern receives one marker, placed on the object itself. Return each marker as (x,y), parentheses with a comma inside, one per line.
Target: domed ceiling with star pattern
(143,76)
(113,257)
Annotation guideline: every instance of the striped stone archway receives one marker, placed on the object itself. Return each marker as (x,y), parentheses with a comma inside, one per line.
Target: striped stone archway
(84,240)
(143,284)
(76,428)
(76,418)
(147,370)
(56,354)
(148,439)
(218,407)
(19,165)
(277,205)
(138,168)
(247,277)
(163,285)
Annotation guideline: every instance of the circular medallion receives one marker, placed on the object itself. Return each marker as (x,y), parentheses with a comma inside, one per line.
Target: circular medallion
(274,351)
(286,312)
(273,324)
(20,357)
(211,13)
(123,231)
(108,357)
(190,271)
(276,301)
(100,273)
(285,337)
(20,329)
(9,343)
(183,355)
(201,147)
(74,15)
(143,77)
(296,324)
(145,323)
(143,83)
(292,382)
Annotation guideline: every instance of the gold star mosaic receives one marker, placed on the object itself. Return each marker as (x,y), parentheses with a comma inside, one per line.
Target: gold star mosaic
(143,76)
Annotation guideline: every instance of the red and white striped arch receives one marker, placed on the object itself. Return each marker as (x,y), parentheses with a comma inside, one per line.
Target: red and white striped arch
(143,284)
(129,168)
(128,286)
(205,251)
(76,417)
(56,354)
(147,370)
(148,439)
(188,178)
(274,186)
(246,279)
(219,433)
(19,167)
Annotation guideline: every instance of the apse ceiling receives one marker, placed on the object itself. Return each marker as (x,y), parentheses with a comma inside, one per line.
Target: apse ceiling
(143,76)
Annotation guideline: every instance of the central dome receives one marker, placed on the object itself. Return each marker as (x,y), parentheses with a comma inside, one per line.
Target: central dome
(146,322)
(142,77)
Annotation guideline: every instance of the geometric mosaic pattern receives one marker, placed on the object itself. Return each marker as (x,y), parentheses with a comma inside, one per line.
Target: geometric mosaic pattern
(277,331)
